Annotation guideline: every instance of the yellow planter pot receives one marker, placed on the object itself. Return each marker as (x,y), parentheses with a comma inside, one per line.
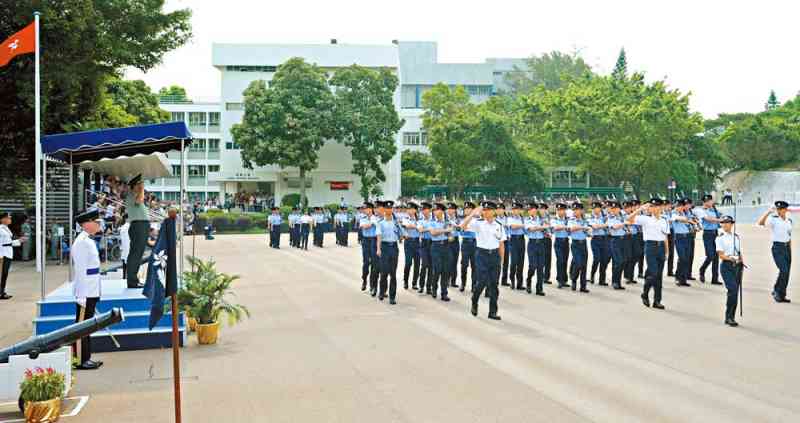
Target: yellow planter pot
(43,411)
(192,324)
(207,334)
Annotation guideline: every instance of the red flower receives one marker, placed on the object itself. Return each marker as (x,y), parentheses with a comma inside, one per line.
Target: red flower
(50,371)
(28,373)
(39,370)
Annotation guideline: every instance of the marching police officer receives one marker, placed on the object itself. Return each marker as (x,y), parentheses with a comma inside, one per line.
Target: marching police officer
(654,232)
(319,220)
(781,227)
(689,210)
(729,249)
(369,257)
(534,229)
(681,227)
(7,244)
(387,234)
(710,218)
(426,269)
(578,228)
(561,244)
(341,222)
(453,244)
(516,231)
(411,246)
(502,219)
(274,222)
(490,237)
(600,252)
(637,244)
(440,229)
(305,224)
(468,251)
(292,220)
(548,241)
(86,287)
(615,222)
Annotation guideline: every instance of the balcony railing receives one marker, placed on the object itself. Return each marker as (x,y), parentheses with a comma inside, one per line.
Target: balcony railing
(213,154)
(197,181)
(196,155)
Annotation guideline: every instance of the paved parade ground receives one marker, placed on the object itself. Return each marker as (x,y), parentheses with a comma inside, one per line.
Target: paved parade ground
(318,349)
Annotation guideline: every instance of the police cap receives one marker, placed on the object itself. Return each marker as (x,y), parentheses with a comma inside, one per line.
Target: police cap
(87,216)
(489,205)
(727,219)
(426,205)
(577,205)
(780,204)
(707,197)
(452,206)
(439,206)
(561,206)
(412,205)
(469,205)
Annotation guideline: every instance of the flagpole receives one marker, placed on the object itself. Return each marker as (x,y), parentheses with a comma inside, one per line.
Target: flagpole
(38,151)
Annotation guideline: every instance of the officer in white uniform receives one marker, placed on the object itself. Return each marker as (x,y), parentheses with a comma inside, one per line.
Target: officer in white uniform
(654,231)
(729,249)
(780,224)
(86,286)
(490,238)
(7,244)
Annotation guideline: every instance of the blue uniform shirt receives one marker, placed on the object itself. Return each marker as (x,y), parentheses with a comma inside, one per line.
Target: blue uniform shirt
(437,224)
(388,230)
(597,220)
(680,228)
(464,233)
(275,219)
(368,232)
(293,218)
(712,212)
(533,221)
(423,223)
(612,220)
(515,220)
(577,235)
(558,221)
(411,233)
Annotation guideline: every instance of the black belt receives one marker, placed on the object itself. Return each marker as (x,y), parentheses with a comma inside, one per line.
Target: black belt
(710,230)
(599,236)
(578,240)
(618,236)
(780,243)
(679,236)
(437,242)
(388,242)
(516,236)
(654,242)
(487,250)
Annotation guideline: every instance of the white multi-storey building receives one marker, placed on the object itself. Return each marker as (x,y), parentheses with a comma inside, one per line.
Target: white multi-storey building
(215,165)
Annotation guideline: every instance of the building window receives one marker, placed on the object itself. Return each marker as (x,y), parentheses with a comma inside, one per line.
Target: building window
(178,116)
(197,170)
(213,121)
(213,168)
(232,145)
(213,144)
(176,170)
(294,183)
(199,144)
(170,196)
(415,138)
(234,106)
(251,68)
(197,120)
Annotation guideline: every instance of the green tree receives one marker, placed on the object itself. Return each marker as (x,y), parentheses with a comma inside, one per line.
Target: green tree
(418,170)
(762,142)
(772,101)
(551,70)
(136,98)
(174,93)
(287,122)
(367,121)
(83,43)
(621,68)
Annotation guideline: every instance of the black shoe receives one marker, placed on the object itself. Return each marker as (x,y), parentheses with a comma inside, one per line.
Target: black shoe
(88,365)
(645,301)
(392,301)
(562,285)
(682,283)
(433,294)
(784,300)
(363,286)
(603,283)
(405,285)
(373,293)
(641,276)
(658,306)
(670,274)
(445,299)
(462,289)
(690,278)
(505,284)
(730,322)
(540,293)
(5,296)
(474,309)
(584,290)
(528,290)
(494,317)
(414,286)
(548,283)
(619,287)
(591,281)
(380,297)
(702,279)
(716,283)
(628,281)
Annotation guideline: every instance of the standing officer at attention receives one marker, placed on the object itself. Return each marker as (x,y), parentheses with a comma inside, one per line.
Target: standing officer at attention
(7,244)
(534,229)
(710,218)
(468,251)
(357,221)
(600,254)
(453,244)
(426,269)
(516,230)
(319,226)
(729,249)
(490,237)
(440,230)
(86,287)
(305,223)
(654,230)
(781,227)
(578,228)
(411,246)
(292,222)
(274,222)
(139,229)
(616,243)
(387,233)
(681,226)
(548,241)
(561,243)
(369,256)
(342,222)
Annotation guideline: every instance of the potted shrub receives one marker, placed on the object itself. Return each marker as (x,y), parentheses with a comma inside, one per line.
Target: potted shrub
(204,294)
(41,392)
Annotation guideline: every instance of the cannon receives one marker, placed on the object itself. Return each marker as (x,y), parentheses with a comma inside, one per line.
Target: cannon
(36,345)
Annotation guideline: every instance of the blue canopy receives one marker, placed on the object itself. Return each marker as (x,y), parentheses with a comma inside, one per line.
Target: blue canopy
(111,143)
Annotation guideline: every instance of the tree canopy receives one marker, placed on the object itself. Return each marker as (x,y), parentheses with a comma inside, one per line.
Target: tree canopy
(551,70)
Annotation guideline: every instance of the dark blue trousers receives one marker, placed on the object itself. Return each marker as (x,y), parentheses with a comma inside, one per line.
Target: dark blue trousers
(305,229)
(548,257)
(561,246)
(369,262)
(577,268)
(712,259)
(507,253)
(682,248)
(439,261)
(319,234)
(536,263)
(690,265)
(468,260)
(627,252)
(411,256)
(275,237)
(616,246)
(452,261)
(655,255)
(729,277)
(517,260)
(638,253)
(426,270)
(388,266)
(782,256)
(488,264)
(600,256)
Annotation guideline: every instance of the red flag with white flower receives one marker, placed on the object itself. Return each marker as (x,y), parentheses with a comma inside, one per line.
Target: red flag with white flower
(22,42)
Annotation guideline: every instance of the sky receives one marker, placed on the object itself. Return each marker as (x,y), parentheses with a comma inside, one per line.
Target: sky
(727,54)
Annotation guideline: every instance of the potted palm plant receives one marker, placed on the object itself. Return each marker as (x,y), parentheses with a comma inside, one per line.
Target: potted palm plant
(41,391)
(204,294)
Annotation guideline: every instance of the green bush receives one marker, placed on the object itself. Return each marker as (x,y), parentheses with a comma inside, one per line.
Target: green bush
(291,200)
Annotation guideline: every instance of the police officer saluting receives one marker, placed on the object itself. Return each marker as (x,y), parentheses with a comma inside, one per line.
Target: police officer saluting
(86,286)
(729,248)
(654,232)
(781,226)
(274,222)
(387,233)
(490,237)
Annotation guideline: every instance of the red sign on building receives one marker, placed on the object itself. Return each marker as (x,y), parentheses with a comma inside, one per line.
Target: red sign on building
(339,186)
